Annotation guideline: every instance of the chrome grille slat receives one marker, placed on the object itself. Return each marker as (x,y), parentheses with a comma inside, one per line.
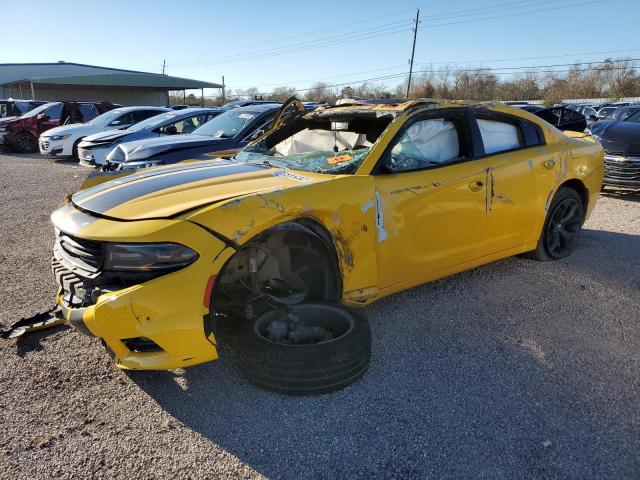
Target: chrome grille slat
(84,254)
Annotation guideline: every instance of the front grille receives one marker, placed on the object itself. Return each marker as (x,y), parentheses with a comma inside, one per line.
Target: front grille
(81,253)
(620,169)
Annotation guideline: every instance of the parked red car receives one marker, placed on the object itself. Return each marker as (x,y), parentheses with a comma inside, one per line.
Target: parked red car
(21,133)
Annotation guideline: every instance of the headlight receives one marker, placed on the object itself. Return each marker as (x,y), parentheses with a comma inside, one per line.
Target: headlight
(4,129)
(145,257)
(59,137)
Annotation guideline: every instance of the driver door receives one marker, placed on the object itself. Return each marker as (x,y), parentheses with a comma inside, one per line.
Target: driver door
(431,200)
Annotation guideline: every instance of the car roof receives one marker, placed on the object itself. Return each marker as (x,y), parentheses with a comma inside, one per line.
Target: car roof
(257,108)
(144,107)
(192,110)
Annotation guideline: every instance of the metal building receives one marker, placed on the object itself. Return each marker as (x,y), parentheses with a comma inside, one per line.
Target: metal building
(75,81)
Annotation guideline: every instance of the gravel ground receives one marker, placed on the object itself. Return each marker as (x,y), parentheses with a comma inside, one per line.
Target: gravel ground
(513,370)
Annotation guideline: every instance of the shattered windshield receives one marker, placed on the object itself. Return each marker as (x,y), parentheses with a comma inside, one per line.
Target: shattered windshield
(335,163)
(320,142)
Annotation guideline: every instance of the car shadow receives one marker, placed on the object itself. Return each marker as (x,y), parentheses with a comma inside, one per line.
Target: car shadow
(474,375)
(632,194)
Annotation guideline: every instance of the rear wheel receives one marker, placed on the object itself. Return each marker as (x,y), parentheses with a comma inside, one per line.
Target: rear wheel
(25,143)
(562,227)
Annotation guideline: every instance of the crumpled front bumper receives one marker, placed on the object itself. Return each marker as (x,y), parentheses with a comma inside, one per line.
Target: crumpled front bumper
(169,310)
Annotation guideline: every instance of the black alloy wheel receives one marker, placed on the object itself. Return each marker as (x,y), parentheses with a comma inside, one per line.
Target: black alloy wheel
(563,228)
(25,143)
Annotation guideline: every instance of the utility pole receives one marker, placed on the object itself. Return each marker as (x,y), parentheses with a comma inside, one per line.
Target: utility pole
(413,49)
(223,90)
(164,64)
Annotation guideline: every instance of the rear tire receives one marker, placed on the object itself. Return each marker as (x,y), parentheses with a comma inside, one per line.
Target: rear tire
(25,143)
(562,227)
(311,368)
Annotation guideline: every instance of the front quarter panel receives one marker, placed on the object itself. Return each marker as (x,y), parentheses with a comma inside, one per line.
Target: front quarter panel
(344,205)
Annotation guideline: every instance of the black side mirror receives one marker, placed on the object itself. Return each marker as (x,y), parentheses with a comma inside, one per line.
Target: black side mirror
(170,130)
(593,117)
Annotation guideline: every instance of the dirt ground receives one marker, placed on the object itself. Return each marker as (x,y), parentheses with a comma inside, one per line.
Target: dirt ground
(517,369)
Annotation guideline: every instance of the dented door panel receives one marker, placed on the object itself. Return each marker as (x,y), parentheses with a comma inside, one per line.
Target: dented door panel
(433,220)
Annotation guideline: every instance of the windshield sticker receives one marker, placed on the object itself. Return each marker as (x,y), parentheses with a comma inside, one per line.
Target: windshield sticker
(339,159)
(290,175)
(246,116)
(219,133)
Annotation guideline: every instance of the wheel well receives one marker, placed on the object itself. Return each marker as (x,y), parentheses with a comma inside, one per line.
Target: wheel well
(580,189)
(289,263)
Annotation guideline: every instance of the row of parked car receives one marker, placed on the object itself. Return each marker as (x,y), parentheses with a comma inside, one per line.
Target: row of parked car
(112,137)
(615,125)
(115,138)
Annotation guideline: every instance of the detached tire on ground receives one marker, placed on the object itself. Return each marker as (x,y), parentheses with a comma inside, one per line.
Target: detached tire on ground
(305,349)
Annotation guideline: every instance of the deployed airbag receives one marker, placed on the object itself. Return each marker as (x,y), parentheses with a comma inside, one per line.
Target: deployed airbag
(426,143)
(320,141)
(498,136)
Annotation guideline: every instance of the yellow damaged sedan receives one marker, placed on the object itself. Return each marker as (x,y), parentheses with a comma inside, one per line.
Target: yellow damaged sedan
(327,210)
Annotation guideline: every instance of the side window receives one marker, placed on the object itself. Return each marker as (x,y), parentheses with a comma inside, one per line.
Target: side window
(426,144)
(187,125)
(124,119)
(54,112)
(87,111)
(141,115)
(499,136)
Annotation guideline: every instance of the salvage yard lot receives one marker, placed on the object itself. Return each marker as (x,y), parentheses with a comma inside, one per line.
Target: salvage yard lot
(518,369)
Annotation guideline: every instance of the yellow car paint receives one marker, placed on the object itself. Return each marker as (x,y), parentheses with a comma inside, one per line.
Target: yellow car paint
(390,232)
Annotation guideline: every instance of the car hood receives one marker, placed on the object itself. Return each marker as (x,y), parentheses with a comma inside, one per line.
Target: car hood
(617,136)
(7,120)
(164,192)
(143,149)
(109,135)
(76,128)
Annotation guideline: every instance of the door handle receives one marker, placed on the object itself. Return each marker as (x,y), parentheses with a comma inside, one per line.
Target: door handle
(476,185)
(549,164)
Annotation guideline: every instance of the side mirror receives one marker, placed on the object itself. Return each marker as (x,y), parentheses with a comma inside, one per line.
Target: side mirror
(42,116)
(593,117)
(170,130)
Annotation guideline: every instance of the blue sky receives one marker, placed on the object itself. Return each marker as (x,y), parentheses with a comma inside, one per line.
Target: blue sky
(266,44)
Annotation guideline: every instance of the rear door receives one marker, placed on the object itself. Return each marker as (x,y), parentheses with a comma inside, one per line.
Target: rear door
(50,118)
(520,178)
(86,112)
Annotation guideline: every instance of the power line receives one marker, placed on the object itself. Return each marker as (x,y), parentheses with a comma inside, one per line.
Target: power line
(503,71)
(331,40)
(374,32)
(453,63)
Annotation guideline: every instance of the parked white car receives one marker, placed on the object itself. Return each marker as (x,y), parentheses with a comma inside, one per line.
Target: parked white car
(63,141)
